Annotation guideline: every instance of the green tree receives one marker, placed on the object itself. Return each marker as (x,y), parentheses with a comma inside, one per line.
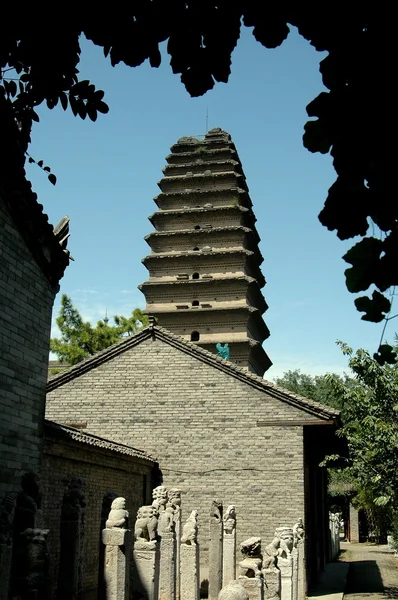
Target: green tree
(325,389)
(80,339)
(39,63)
(370,426)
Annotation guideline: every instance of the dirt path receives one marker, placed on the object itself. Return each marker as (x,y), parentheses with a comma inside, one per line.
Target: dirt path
(373,572)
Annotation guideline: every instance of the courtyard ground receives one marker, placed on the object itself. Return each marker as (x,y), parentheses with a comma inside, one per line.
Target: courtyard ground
(363,572)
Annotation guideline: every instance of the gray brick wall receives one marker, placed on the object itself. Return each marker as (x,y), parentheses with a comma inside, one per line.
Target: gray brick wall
(26,300)
(202,425)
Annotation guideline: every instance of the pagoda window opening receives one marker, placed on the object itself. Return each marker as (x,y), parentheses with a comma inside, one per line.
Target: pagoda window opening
(195,275)
(196,249)
(197,227)
(195,336)
(195,302)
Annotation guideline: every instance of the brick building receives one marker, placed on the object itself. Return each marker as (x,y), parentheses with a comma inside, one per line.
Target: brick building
(32,262)
(204,267)
(217,430)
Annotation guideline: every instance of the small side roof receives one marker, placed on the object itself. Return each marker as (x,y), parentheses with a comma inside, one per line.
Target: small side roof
(321,411)
(71,433)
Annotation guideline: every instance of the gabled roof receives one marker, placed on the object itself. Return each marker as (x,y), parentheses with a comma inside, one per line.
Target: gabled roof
(154,331)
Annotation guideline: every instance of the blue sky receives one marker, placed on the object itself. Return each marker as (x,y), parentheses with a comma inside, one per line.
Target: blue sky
(108,170)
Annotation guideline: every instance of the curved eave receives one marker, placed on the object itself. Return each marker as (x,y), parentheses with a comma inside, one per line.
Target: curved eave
(184,194)
(194,210)
(197,232)
(198,163)
(213,281)
(199,179)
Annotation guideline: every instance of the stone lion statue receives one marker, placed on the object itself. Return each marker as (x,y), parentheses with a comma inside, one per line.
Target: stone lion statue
(190,529)
(118,516)
(146,524)
(250,565)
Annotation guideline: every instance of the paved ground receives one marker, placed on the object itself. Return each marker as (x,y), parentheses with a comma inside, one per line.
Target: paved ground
(363,572)
(372,573)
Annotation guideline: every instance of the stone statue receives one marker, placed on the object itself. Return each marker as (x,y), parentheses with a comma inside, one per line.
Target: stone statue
(166,520)
(34,580)
(286,538)
(223,351)
(216,512)
(298,532)
(159,496)
(146,524)
(174,499)
(230,519)
(250,565)
(118,516)
(73,501)
(190,529)
(271,554)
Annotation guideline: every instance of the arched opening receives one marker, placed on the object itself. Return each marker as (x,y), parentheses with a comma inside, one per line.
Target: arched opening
(196,249)
(197,227)
(195,336)
(195,302)
(195,275)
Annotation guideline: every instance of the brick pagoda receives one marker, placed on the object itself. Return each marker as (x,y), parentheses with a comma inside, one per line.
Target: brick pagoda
(204,267)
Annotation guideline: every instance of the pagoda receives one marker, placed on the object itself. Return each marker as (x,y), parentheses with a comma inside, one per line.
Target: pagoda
(204,266)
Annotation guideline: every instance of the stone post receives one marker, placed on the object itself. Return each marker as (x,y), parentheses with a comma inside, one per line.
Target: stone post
(215,550)
(285,561)
(146,570)
(299,574)
(167,575)
(174,500)
(189,553)
(117,563)
(117,540)
(229,546)
(354,525)
(71,541)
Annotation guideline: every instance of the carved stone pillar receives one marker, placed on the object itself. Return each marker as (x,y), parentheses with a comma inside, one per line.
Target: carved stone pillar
(229,546)
(71,541)
(174,500)
(167,575)
(299,574)
(215,550)
(272,584)
(117,563)
(189,572)
(146,570)
(285,561)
